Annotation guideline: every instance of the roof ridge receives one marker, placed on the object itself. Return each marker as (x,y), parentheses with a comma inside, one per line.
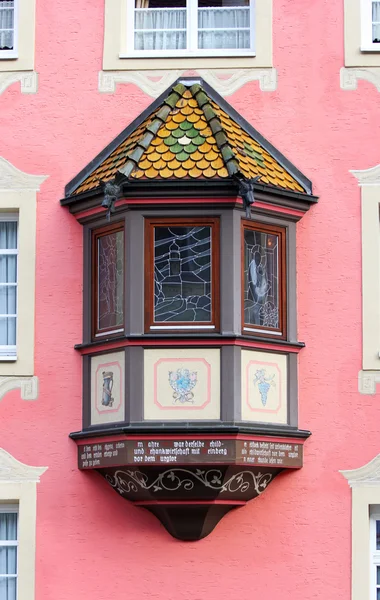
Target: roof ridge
(228,155)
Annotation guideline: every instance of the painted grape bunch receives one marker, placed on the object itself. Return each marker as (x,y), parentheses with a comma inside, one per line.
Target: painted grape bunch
(264,383)
(182,382)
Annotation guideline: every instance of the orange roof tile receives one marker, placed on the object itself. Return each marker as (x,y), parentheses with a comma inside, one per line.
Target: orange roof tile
(189,135)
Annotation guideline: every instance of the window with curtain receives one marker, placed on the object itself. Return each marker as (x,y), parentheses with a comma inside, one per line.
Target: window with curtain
(7,28)
(8,552)
(8,285)
(375,551)
(375,22)
(192,26)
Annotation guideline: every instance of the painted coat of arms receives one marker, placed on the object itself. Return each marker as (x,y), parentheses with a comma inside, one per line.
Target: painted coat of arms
(182,381)
(264,383)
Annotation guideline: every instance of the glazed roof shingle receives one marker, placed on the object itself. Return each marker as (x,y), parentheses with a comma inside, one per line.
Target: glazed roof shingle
(190,136)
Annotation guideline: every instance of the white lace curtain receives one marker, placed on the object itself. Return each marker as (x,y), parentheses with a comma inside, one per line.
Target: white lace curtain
(6,24)
(225,28)
(8,556)
(8,276)
(376,21)
(165,28)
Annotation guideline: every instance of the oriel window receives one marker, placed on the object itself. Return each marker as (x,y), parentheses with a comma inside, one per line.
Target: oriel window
(108,280)
(182,274)
(263,279)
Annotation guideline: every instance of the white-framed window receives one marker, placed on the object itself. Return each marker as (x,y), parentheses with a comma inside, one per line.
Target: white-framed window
(8,284)
(174,28)
(8,551)
(374,532)
(370,26)
(8,28)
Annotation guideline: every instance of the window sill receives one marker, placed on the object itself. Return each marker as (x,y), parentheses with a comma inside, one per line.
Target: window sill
(374,49)
(8,358)
(7,55)
(186,54)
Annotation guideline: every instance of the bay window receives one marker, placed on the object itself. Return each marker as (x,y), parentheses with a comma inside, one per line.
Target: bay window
(8,551)
(263,279)
(8,29)
(190,27)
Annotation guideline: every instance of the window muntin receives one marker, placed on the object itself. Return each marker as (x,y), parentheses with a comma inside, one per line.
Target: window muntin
(190,27)
(8,29)
(8,284)
(182,273)
(108,280)
(263,280)
(8,551)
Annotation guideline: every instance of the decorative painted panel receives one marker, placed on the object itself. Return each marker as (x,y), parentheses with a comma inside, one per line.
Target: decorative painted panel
(107,388)
(264,387)
(181,385)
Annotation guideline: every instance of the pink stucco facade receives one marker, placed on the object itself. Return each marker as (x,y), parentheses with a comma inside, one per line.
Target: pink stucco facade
(294,542)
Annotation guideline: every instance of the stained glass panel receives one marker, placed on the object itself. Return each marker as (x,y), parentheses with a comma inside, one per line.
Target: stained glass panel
(182,274)
(261,279)
(111,280)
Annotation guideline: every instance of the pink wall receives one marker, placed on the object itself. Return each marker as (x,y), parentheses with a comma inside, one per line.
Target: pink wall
(292,543)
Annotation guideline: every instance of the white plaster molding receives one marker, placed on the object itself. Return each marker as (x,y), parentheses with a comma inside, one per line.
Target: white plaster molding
(27,79)
(349,77)
(27,385)
(368,474)
(368,176)
(153,83)
(14,471)
(232,80)
(367,381)
(13,179)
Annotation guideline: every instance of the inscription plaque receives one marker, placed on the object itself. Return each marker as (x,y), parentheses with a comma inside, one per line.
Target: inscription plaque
(185,451)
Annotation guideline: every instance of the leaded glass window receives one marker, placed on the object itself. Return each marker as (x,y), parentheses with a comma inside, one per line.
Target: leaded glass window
(108,247)
(8,552)
(182,274)
(263,279)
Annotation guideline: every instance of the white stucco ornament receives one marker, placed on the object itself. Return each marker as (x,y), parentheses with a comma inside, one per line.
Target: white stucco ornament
(14,471)
(224,81)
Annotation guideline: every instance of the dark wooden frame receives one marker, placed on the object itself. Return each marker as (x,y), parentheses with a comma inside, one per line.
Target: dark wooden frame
(95,235)
(150,224)
(281,233)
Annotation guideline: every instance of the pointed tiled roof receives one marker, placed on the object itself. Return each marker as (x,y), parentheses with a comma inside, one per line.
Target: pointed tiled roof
(189,135)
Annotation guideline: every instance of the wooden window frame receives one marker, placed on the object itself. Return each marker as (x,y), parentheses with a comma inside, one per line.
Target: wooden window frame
(95,235)
(259,330)
(180,326)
